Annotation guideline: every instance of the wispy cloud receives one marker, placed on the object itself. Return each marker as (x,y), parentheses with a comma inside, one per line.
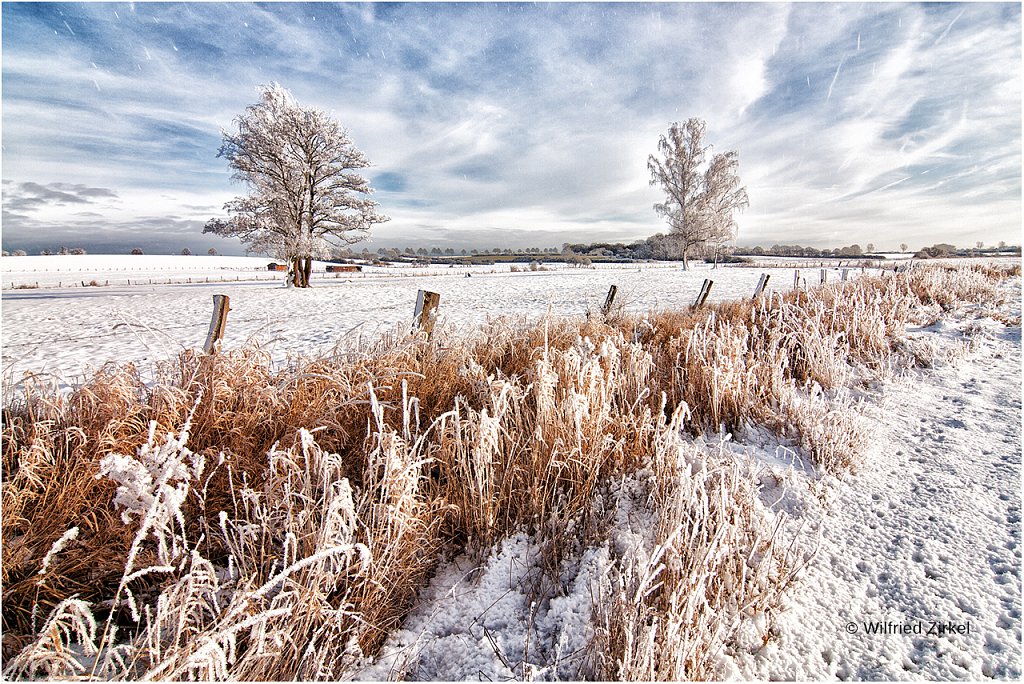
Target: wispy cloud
(28,196)
(835,77)
(488,123)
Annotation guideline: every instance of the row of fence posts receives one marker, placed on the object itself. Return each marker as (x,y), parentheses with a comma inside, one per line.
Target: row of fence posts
(427,303)
(424,316)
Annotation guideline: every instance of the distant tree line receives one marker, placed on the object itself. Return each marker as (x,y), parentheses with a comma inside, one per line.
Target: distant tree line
(78,251)
(46,252)
(853,250)
(656,247)
(943,249)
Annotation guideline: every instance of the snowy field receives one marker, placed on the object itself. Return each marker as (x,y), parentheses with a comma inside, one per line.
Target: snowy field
(926,537)
(918,567)
(64,331)
(917,574)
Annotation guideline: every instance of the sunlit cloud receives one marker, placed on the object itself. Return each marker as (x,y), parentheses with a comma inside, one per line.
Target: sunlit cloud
(523,125)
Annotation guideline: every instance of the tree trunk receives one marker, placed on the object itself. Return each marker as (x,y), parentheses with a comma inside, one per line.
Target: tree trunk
(300,271)
(686,263)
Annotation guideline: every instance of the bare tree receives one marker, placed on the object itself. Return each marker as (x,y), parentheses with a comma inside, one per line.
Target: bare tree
(699,200)
(305,196)
(903,247)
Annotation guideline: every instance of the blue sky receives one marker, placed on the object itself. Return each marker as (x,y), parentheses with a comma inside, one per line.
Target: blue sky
(521,125)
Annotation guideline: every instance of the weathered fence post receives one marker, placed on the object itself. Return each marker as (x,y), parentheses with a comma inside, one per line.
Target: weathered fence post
(761,284)
(705,290)
(426,311)
(844,274)
(824,276)
(608,300)
(217,323)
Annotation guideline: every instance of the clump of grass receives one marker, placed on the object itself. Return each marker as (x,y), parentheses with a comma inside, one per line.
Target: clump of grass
(293,562)
(665,613)
(949,286)
(828,430)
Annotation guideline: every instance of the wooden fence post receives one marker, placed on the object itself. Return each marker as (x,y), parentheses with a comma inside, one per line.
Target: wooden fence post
(426,311)
(705,290)
(824,276)
(796,279)
(761,284)
(217,323)
(844,274)
(608,300)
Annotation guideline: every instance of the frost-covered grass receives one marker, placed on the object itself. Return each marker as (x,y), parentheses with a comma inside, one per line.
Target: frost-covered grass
(280,522)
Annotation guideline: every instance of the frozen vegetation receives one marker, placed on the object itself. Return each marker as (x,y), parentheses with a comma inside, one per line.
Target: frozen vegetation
(804,486)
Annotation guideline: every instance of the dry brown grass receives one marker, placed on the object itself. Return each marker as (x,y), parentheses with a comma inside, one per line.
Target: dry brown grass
(667,614)
(402,450)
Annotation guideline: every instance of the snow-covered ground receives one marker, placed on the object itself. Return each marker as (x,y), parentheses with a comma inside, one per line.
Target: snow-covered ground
(72,270)
(919,571)
(926,533)
(925,538)
(64,331)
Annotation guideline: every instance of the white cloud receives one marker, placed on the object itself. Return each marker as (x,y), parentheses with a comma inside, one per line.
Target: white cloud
(540,118)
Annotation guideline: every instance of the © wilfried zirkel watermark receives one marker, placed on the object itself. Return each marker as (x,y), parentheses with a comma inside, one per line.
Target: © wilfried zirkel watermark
(910,627)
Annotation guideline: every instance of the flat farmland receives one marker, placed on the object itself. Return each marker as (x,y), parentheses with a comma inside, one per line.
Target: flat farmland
(65,332)
(494,501)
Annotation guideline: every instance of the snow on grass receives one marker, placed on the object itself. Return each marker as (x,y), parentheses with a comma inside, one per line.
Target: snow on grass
(927,530)
(65,333)
(486,621)
(926,538)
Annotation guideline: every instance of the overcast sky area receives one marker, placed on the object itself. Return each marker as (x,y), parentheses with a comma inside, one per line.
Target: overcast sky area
(492,125)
